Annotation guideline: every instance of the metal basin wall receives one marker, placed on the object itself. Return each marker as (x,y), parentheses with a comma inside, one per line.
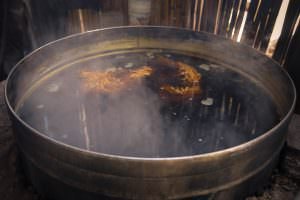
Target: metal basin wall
(61,171)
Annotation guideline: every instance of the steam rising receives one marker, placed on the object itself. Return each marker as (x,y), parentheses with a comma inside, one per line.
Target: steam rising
(138,122)
(133,124)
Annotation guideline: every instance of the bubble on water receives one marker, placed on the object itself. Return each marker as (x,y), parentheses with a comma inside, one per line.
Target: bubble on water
(129,65)
(111,69)
(54,87)
(205,67)
(41,106)
(64,136)
(150,55)
(208,101)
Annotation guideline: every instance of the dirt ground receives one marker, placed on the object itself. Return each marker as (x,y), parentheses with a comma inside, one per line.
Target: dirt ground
(283,185)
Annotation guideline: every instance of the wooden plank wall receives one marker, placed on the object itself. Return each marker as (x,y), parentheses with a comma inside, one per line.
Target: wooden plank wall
(287,32)
(221,17)
(225,17)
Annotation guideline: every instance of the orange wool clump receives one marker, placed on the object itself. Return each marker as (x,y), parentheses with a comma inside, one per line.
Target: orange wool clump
(112,81)
(141,72)
(101,81)
(116,80)
(190,78)
(183,91)
(190,75)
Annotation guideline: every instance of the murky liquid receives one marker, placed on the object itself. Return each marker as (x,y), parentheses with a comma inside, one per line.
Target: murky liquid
(143,120)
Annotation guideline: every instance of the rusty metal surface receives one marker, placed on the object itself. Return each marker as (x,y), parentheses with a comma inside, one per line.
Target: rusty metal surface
(53,167)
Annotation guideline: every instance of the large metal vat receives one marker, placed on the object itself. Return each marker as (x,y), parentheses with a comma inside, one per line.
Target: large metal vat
(62,171)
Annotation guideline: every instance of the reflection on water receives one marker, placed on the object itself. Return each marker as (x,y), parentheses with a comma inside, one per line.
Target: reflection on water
(149,104)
